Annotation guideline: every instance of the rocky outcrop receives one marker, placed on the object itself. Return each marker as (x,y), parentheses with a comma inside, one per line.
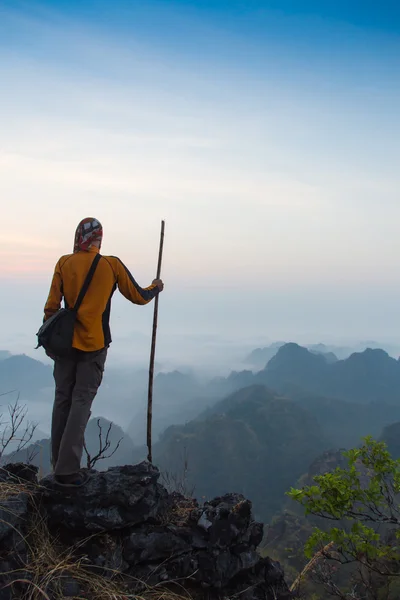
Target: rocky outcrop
(115,499)
(124,522)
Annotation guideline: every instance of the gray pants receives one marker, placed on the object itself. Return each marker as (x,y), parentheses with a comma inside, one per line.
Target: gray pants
(77,380)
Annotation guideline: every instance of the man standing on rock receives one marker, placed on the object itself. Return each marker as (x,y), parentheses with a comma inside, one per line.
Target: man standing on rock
(78,376)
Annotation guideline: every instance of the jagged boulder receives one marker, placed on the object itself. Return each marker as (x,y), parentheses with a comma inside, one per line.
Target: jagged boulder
(142,546)
(124,520)
(15,488)
(14,506)
(228,522)
(112,500)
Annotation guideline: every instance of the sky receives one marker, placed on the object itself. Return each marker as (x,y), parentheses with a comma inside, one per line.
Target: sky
(266,133)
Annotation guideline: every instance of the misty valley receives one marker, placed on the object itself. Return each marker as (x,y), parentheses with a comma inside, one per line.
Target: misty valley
(286,417)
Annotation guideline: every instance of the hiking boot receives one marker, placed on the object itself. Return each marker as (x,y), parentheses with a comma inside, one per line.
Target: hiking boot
(72,481)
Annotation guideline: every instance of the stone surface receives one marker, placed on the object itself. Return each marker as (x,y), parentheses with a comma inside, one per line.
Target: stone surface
(112,500)
(124,520)
(18,473)
(13,516)
(70,588)
(144,546)
(264,582)
(16,480)
(228,521)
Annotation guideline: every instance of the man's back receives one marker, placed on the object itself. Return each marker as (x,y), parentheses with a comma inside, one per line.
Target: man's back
(92,330)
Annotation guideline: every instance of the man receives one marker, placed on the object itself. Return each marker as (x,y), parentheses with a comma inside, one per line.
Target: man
(78,377)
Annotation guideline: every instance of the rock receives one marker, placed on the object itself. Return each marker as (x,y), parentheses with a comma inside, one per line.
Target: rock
(144,546)
(115,499)
(18,473)
(124,521)
(264,582)
(13,518)
(63,585)
(14,581)
(5,592)
(70,588)
(192,536)
(147,576)
(16,480)
(6,568)
(106,552)
(219,544)
(216,569)
(228,521)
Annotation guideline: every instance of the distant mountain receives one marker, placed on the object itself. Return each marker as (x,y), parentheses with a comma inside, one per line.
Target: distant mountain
(24,374)
(296,365)
(364,377)
(220,387)
(346,423)
(253,441)
(340,352)
(4,354)
(329,357)
(260,357)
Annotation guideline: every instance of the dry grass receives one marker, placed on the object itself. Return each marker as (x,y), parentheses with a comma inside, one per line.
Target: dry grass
(8,489)
(50,564)
(179,514)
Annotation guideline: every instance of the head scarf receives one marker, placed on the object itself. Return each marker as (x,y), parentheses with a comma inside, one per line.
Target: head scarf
(88,231)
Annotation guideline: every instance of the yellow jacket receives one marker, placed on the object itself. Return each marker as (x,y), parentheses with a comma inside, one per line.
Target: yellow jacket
(92,329)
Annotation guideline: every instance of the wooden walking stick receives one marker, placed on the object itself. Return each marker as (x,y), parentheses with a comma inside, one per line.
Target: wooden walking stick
(153,353)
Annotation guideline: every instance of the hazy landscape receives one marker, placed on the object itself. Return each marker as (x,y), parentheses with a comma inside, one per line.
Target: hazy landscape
(287,401)
(266,134)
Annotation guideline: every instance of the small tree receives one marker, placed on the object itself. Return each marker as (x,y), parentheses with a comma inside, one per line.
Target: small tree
(104,447)
(363,502)
(15,430)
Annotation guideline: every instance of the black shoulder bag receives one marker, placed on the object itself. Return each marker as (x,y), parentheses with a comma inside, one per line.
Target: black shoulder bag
(56,334)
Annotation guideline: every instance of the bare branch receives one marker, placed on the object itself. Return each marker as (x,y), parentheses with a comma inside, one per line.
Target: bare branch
(104,447)
(13,430)
(31,454)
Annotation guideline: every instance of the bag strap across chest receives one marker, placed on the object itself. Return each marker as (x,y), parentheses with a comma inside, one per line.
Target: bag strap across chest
(86,283)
